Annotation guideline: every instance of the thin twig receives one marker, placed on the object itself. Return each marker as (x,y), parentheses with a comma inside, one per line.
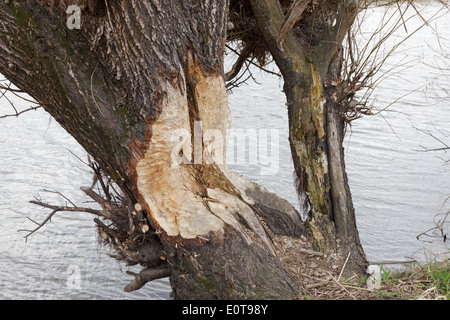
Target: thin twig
(55,210)
(237,66)
(339,284)
(254,64)
(343,267)
(18,113)
(60,194)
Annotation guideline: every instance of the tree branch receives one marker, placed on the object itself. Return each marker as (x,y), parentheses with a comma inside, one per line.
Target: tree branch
(237,66)
(427,132)
(18,113)
(106,205)
(55,210)
(292,16)
(146,275)
(250,61)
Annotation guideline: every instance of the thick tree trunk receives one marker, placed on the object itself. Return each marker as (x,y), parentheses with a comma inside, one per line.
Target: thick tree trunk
(310,59)
(135,86)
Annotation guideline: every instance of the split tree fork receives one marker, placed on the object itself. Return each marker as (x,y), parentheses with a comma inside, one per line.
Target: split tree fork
(138,71)
(310,59)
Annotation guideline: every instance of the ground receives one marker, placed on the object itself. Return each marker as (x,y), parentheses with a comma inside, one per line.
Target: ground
(324,279)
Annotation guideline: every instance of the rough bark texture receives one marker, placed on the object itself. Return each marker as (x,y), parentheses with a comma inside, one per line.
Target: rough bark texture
(310,58)
(122,85)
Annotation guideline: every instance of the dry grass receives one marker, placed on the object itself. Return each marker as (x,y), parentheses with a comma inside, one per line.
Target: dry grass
(324,279)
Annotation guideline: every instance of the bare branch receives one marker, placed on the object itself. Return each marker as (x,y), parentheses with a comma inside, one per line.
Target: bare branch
(18,113)
(364,63)
(146,275)
(61,195)
(292,16)
(106,205)
(55,210)
(440,224)
(99,177)
(40,225)
(106,229)
(427,132)
(237,66)
(6,88)
(254,64)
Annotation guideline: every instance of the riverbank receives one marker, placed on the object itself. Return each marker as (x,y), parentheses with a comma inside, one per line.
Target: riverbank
(419,282)
(326,279)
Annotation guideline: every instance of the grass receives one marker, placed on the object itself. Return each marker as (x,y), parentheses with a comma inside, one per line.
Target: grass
(421,281)
(440,274)
(428,281)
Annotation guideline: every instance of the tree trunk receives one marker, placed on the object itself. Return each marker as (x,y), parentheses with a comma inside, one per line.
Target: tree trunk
(141,87)
(310,59)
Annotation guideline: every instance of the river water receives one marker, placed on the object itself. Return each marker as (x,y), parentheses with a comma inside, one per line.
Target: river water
(397,188)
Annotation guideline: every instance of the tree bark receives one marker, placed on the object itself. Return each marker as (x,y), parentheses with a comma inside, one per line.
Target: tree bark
(310,59)
(134,86)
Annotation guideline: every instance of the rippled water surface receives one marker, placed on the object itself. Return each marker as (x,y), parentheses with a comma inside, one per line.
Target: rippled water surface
(397,190)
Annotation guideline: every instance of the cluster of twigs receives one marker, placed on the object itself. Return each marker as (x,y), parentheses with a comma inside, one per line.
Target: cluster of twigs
(121,225)
(365,58)
(246,44)
(7,88)
(241,71)
(440,222)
